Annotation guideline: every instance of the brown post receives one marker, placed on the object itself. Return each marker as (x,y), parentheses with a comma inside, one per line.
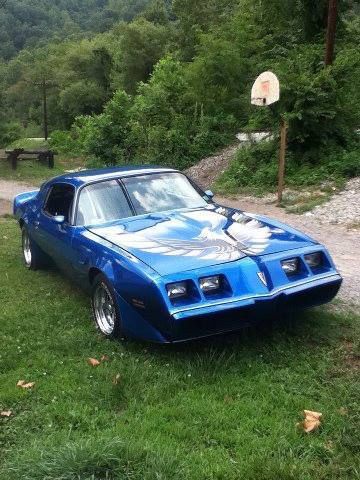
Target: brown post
(283,141)
(46,130)
(13,158)
(331,32)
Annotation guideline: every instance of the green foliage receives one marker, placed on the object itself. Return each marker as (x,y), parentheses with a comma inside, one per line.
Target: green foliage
(142,45)
(25,23)
(106,136)
(9,131)
(316,101)
(62,141)
(189,67)
(255,168)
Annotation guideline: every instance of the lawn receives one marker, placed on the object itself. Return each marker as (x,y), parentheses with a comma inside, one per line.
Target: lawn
(224,408)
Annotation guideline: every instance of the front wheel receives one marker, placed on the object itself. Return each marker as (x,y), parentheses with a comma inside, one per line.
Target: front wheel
(105,308)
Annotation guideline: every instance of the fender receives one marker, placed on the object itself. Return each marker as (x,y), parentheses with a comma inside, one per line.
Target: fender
(21,201)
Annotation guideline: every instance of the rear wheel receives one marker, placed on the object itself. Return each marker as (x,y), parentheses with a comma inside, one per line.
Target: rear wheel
(33,257)
(105,307)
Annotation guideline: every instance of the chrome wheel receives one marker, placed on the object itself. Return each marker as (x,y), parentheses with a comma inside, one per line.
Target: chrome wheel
(104,309)
(26,248)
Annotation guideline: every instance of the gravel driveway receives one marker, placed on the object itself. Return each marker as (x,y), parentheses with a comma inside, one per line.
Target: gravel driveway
(8,190)
(343,244)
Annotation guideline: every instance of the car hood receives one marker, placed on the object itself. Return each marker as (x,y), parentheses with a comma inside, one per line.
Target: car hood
(183,240)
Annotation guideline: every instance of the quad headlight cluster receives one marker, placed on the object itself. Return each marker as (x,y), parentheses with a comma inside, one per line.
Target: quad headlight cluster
(292,266)
(217,283)
(210,284)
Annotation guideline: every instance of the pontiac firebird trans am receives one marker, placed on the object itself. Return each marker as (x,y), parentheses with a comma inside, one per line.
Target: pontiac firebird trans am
(162,261)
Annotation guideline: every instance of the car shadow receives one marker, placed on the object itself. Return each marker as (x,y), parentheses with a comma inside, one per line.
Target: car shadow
(311,328)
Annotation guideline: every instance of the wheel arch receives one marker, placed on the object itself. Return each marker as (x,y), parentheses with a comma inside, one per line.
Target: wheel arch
(93,273)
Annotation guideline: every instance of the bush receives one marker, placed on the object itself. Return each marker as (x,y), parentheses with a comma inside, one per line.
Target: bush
(64,142)
(9,132)
(255,168)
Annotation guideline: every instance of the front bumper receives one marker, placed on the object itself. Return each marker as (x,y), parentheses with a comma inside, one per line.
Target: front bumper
(234,314)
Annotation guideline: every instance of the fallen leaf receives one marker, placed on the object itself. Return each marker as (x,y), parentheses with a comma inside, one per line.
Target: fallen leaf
(93,362)
(24,384)
(311,422)
(104,358)
(6,413)
(116,379)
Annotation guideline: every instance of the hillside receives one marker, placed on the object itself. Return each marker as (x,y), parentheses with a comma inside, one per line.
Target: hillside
(25,23)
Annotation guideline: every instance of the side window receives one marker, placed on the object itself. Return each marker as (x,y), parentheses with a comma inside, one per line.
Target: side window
(102,202)
(60,200)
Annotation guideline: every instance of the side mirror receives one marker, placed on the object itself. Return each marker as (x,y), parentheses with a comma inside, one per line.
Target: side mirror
(209,193)
(59,219)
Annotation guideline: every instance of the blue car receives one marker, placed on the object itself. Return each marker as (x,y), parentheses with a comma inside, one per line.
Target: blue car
(162,261)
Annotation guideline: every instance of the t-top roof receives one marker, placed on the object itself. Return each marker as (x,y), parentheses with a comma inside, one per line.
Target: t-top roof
(88,176)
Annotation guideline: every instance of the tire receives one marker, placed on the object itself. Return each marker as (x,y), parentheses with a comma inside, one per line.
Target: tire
(105,308)
(33,257)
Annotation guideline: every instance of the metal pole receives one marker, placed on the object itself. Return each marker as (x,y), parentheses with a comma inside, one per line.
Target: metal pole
(283,141)
(331,32)
(46,130)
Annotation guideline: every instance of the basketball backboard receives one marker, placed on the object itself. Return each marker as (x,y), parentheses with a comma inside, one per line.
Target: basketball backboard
(266,90)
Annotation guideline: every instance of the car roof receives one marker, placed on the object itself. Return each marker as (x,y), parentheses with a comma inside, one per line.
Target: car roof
(83,177)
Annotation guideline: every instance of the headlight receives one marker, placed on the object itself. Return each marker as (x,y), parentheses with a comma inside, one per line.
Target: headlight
(177,290)
(314,260)
(210,284)
(290,266)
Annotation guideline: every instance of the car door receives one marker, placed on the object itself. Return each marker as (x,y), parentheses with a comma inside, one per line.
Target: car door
(52,226)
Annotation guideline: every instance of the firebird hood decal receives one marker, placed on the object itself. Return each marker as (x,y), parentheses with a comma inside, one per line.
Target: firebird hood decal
(183,240)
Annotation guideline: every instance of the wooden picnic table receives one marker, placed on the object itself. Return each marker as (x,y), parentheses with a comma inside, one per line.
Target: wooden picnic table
(43,156)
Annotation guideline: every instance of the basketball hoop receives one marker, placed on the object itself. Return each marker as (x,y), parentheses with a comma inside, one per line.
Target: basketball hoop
(266,90)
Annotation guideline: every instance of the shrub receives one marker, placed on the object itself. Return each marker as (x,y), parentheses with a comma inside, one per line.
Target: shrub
(255,168)
(9,132)
(64,142)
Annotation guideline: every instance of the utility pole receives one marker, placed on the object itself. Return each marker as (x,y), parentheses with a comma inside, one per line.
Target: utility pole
(46,127)
(331,32)
(44,85)
(281,175)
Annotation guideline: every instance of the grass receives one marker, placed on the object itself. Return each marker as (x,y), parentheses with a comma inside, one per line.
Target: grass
(29,144)
(299,202)
(224,408)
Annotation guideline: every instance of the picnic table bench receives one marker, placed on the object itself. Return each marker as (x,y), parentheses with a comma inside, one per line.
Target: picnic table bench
(43,156)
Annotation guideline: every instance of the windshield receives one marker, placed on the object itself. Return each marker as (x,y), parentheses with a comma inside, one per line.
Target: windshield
(162,191)
(106,201)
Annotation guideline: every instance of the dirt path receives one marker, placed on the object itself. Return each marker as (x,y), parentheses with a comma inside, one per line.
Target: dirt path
(344,245)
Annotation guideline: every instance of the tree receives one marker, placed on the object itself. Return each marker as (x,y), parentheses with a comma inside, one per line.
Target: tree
(142,45)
